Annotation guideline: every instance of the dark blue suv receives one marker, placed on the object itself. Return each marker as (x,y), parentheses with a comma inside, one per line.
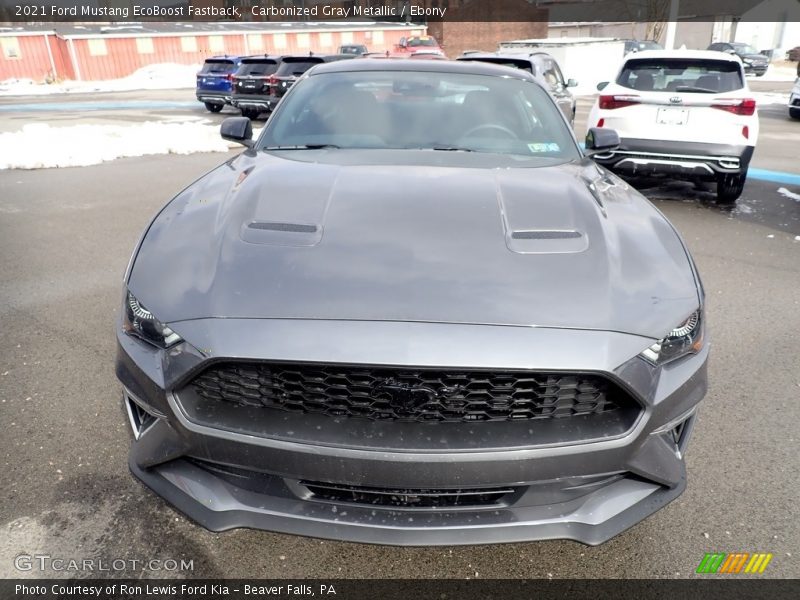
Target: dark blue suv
(215,80)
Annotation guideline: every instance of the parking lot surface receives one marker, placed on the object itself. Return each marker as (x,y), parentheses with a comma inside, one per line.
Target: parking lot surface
(65,239)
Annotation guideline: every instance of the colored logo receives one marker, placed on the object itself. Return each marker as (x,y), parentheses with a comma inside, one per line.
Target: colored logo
(737,562)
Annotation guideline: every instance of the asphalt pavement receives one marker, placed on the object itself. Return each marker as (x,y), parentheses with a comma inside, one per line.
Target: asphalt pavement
(65,239)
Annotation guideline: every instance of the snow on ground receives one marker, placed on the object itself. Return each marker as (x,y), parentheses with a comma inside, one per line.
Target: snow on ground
(780,71)
(770,98)
(153,77)
(39,146)
(784,192)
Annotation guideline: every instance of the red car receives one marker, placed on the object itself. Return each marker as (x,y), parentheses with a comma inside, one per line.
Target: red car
(426,44)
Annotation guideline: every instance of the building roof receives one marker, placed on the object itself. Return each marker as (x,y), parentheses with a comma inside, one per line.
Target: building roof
(157,29)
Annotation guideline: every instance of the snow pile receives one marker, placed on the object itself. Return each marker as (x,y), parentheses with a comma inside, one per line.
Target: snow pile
(781,71)
(161,76)
(784,192)
(39,145)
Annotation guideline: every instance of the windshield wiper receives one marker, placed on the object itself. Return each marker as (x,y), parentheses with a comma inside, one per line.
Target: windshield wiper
(689,88)
(304,147)
(446,148)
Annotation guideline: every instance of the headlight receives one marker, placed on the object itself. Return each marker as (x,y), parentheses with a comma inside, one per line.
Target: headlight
(685,339)
(140,322)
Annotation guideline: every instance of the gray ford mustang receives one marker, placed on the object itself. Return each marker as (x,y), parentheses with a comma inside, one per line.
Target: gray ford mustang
(413,312)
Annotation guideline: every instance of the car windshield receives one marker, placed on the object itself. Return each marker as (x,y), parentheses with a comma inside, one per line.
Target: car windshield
(420,110)
(260,67)
(426,41)
(744,49)
(649,45)
(681,75)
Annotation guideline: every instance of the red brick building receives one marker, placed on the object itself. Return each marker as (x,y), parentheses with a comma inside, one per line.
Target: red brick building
(102,51)
(480,25)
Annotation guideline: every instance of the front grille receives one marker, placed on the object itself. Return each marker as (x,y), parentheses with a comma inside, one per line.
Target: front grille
(394,394)
(406,498)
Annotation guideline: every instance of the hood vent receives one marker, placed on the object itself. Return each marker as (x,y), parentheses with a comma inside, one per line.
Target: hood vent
(285,227)
(545,235)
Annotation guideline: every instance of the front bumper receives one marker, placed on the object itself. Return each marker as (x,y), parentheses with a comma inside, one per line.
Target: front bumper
(684,159)
(588,492)
(756,69)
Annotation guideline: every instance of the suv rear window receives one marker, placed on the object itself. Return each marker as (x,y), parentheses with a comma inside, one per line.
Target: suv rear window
(218,66)
(296,67)
(523,64)
(258,67)
(681,75)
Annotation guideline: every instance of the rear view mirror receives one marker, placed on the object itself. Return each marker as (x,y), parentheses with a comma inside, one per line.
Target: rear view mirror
(599,139)
(572,82)
(601,86)
(237,129)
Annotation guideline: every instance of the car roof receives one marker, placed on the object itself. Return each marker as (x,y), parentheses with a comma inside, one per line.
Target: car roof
(252,59)
(690,54)
(424,66)
(230,58)
(509,54)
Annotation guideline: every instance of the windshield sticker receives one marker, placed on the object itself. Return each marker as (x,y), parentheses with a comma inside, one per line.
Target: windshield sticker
(544,147)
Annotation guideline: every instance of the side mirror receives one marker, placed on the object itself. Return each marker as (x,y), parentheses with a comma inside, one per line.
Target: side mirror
(237,129)
(572,82)
(601,86)
(599,139)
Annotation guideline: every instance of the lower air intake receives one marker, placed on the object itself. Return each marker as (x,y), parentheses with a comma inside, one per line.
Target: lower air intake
(406,498)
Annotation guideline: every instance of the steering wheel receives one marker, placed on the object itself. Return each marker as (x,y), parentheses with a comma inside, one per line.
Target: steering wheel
(491,127)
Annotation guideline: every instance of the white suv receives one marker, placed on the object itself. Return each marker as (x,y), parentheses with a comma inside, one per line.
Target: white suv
(683,113)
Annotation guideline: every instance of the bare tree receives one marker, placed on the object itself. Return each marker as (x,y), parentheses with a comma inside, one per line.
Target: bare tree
(653,13)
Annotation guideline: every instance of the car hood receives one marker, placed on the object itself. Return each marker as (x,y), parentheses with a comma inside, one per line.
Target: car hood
(754,57)
(556,246)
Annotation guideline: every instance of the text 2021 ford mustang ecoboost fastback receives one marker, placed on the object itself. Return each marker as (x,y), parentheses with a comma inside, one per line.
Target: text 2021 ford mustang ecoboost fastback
(413,312)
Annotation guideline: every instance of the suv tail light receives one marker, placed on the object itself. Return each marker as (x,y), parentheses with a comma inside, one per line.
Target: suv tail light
(611,102)
(229,77)
(738,106)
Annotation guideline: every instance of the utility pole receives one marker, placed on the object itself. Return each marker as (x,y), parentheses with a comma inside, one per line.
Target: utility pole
(672,25)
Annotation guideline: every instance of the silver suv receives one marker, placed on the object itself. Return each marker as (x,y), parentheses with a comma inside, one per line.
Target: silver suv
(543,66)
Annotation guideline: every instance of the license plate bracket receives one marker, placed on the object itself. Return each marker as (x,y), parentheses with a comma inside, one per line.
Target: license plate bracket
(672,116)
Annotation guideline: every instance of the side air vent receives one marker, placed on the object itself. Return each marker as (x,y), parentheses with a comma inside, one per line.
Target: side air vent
(545,235)
(285,227)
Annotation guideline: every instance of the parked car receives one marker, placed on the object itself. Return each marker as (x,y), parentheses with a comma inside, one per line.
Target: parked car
(543,66)
(794,100)
(215,81)
(687,114)
(252,85)
(414,312)
(417,43)
(640,45)
(754,62)
(354,49)
(794,54)
(293,67)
